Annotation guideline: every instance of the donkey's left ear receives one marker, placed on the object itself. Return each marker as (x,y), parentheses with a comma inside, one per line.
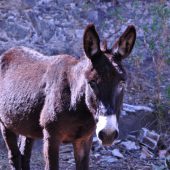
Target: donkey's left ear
(125,43)
(91,41)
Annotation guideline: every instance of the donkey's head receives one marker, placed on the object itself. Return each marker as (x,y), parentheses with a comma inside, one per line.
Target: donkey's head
(105,80)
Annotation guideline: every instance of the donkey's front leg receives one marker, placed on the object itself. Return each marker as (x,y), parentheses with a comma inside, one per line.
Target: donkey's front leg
(81,153)
(51,150)
(13,151)
(25,146)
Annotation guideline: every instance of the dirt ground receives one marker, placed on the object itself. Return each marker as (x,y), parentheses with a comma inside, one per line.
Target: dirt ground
(130,161)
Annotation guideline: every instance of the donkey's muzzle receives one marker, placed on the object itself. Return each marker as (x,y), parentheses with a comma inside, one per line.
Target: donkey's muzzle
(107,138)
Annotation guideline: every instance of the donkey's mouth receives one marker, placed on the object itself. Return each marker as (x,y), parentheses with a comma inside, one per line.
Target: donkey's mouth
(107,143)
(107,139)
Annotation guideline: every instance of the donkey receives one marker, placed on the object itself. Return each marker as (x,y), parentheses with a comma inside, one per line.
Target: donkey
(62,99)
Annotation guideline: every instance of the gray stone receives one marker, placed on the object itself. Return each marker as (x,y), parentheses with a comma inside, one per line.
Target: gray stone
(43,28)
(104,152)
(109,159)
(97,155)
(149,138)
(116,153)
(46,30)
(136,108)
(2,24)
(16,31)
(61,2)
(79,33)
(28,3)
(130,145)
(68,32)
(95,16)
(162,153)
(34,20)
(145,153)
(167,162)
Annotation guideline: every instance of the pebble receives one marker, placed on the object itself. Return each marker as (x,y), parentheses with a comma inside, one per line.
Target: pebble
(116,153)
(109,159)
(145,153)
(130,145)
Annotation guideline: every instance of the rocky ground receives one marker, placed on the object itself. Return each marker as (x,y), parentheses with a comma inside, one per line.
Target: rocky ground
(56,26)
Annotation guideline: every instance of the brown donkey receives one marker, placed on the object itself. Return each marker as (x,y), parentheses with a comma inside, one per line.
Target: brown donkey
(62,99)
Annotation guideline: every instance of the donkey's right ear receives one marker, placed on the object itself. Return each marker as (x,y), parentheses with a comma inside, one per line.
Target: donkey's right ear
(125,43)
(91,41)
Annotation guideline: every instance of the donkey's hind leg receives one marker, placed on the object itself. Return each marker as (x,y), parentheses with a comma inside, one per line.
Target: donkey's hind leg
(25,147)
(14,155)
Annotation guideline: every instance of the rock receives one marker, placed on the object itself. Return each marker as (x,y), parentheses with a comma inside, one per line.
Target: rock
(2,24)
(134,120)
(92,16)
(115,2)
(71,161)
(149,138)
(45,1)
(159,167)
(145,153)
(123,113)
(136,108)
(95,140)
(132,137)
(28,3)
(95,16)
(130,145)
(44,29)
(16,31)
(47,30)
(109,159)
(167,162)
(97,155)
(162,153)
(103,152)
(79,33)
(34,20)
(61,2)
(68,32)
(116,153)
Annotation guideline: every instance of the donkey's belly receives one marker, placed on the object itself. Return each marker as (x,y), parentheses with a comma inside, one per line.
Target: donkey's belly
(21,114)
(26,125)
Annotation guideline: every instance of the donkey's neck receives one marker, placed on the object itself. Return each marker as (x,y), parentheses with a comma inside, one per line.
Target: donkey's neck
(78,83)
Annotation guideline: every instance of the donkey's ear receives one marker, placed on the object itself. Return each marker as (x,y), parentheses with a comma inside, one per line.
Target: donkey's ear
(125,43)
(91,41)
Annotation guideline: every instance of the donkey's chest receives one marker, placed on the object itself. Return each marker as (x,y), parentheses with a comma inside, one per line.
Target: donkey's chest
(74,127)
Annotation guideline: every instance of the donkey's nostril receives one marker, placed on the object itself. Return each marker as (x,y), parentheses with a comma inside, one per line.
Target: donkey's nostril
(107,138)
(116,134)
(101,135)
